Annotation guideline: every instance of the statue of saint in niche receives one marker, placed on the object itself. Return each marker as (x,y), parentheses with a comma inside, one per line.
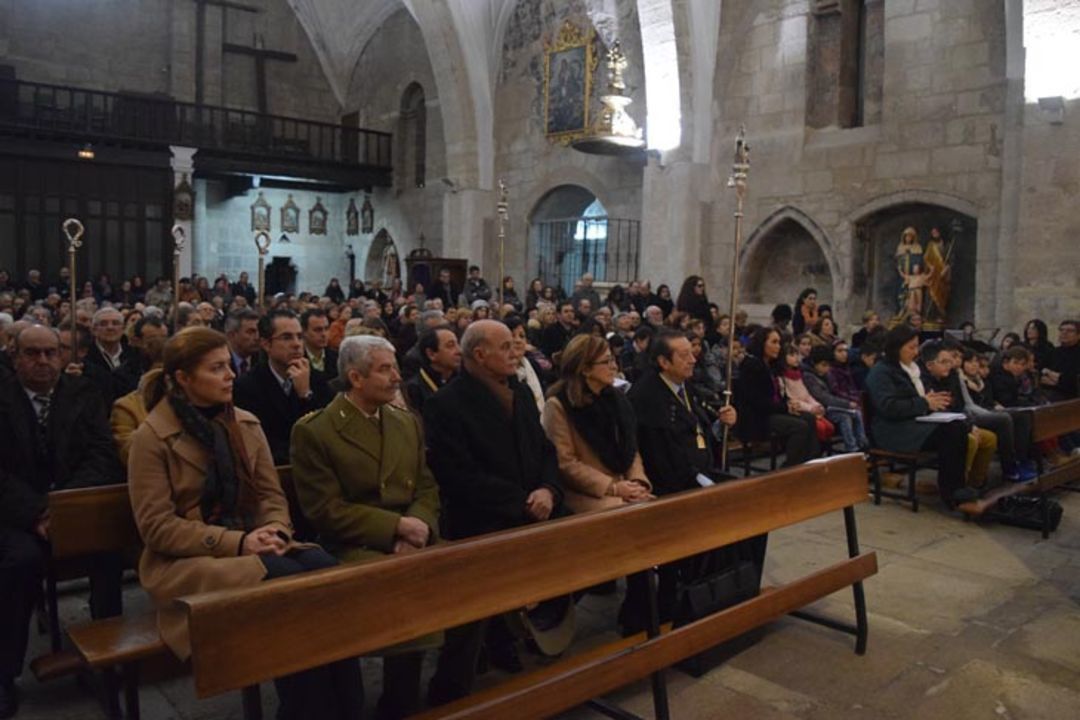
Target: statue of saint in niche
(939,285)
(914,278)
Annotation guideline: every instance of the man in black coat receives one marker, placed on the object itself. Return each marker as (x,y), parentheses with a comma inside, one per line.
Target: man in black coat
(441,360)
(54,434)
(677,448)
(444,289)
(323,359)
(558,333)
(283,389)
(495,467)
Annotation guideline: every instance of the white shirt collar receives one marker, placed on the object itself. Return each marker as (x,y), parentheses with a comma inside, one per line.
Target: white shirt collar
(280,380)
(113,360)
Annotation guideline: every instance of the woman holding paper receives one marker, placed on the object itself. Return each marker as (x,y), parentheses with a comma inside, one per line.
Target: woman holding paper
(898,398)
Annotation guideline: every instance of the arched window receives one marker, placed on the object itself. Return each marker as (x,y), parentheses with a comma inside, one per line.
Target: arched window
(412,129)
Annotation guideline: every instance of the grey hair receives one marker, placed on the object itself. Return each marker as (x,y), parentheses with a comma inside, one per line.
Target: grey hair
(355,353)
(108,310)
(236,318)
(5,320)
(429,314)
(475,335)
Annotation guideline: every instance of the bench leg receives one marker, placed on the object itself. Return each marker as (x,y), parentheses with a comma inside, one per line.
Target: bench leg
(130,674)
(913,494)
(110,688)
(875,475)
(862,627)
(53,609)
(659,682)
(252,701)
(1044,512)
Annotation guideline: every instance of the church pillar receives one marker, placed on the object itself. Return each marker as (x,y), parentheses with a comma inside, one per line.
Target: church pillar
(675,220)
(467,223)
(183,167)
(998,309)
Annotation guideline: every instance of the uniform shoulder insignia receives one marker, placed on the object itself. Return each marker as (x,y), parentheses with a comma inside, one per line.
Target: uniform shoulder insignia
(307,418)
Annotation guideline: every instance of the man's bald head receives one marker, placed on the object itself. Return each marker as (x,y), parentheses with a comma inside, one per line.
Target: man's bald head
(488,349)
(36,357)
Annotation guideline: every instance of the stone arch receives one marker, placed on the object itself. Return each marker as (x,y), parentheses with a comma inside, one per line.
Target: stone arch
(383,259)
(903,197)
(567,176)
(787,222)
(562,243)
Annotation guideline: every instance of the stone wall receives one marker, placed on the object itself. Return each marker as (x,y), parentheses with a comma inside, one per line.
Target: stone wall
(393,60)
(224,241)
(531,164)
(938,141)
(148,46)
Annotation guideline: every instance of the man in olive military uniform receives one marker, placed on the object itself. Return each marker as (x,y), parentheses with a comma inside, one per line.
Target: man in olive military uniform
(363,482)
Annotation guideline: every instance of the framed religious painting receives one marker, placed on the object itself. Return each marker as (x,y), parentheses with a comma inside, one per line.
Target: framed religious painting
(290,216)
(352,219)
(183,200)
(569,62)
(317,218)
(260,214)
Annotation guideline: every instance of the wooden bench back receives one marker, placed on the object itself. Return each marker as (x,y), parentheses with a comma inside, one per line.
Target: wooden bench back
(1050,421)
(248,636)
(90,520)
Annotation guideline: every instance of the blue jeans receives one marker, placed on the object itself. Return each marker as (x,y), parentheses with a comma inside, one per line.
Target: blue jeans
(850,425)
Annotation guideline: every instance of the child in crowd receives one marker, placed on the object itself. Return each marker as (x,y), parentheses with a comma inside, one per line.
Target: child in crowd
(843,412)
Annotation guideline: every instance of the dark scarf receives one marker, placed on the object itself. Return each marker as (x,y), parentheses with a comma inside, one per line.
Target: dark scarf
(225,492)
(608,427)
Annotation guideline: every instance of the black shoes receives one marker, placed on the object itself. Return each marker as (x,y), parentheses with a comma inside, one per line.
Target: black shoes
(9,699)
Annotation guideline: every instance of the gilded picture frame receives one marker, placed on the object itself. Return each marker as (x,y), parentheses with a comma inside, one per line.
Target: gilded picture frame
(569,63)
(260,214)
(317,218)
(290,216)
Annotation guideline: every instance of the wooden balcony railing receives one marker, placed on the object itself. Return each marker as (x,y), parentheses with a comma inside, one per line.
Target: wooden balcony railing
(95,116)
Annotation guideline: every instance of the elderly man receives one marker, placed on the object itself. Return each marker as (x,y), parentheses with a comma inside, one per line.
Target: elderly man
(108,350)
(364,485)
(495,467)
(586,291)
(54,434)
(654,316)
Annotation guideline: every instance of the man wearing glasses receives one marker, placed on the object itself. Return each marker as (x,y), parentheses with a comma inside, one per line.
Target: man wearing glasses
(54,435)
(280,391)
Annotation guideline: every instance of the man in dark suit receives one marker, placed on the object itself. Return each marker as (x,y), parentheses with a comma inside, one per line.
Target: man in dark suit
(677,448)
(441,360)
(242,332)
(54,434)
(243,288)
(495,467)
(444,290)
(148,329)
(109,353)
(281,390)
(558,333)
(323,360)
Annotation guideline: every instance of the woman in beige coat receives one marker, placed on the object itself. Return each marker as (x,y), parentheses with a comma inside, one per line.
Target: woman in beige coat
(211,512)
(593,429)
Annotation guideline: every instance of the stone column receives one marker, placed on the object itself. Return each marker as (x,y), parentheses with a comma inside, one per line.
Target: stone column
(183,167)
(1012,167)
(675,220)
(467,221)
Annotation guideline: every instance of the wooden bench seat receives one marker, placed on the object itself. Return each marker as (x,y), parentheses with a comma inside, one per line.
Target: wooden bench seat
(247,636)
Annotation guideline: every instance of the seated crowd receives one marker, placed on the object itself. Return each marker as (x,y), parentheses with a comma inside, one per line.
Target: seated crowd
(408,418)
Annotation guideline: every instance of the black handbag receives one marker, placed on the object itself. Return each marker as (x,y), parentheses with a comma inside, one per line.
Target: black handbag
(714,581)
(1027,512)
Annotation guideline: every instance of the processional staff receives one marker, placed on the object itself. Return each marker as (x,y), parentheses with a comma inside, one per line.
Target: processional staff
(739,172)
(74,230)
(179,239)
(503,210)
(262,242)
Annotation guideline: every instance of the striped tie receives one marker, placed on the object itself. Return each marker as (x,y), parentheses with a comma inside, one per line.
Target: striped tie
(43,411)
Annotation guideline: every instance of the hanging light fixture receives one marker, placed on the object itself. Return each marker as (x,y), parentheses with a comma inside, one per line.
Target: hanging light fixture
(615,132)
(86,152)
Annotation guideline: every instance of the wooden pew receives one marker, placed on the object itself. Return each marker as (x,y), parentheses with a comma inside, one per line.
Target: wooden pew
(100,520)
(245,637)
(1048,422)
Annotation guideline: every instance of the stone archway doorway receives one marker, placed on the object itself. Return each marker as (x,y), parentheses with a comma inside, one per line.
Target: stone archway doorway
(383,261)
(782,259)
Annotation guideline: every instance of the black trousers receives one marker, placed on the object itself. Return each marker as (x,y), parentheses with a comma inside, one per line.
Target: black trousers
(22,567)
(1013,430)
(456,670)
(331,692)
(799,435)
(950,442)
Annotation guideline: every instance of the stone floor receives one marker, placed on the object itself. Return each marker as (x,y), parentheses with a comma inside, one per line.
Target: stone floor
(966,621)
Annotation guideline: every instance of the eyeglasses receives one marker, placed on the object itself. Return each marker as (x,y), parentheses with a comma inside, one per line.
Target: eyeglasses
(609,360)
(287,337)
(47,353)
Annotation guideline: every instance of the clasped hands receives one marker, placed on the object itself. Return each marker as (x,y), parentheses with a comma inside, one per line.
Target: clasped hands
(267,540)
(938,401)
(412,534)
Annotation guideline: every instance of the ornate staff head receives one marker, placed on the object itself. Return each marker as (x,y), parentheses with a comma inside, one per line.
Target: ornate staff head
(740,168)
(262,242)
(179,238)
(74,231)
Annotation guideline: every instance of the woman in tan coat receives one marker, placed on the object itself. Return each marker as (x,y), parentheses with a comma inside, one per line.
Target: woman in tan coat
(593,429)
(211,512)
